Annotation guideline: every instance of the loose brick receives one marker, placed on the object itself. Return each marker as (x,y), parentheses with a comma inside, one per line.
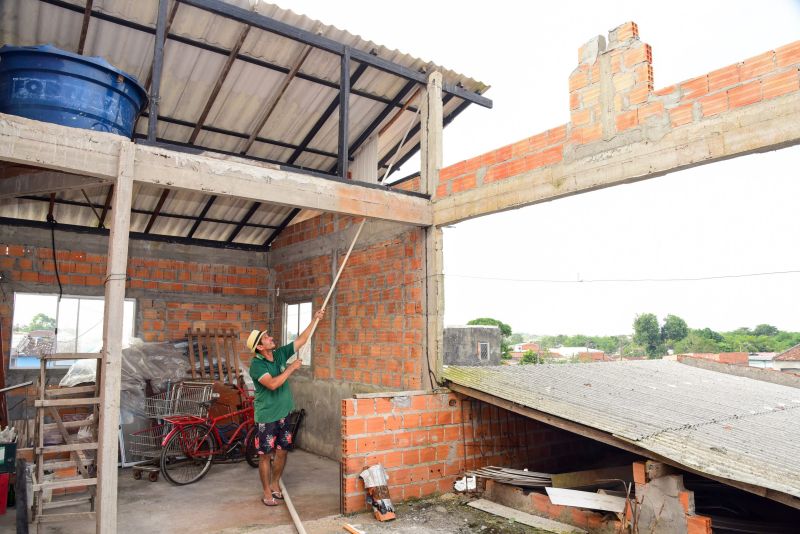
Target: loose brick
(788,55)
(744,95)
(781,83)
(714,104)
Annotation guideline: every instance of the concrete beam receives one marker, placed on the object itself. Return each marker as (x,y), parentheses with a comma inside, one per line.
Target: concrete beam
(36,181)
(90,153)
(642,154)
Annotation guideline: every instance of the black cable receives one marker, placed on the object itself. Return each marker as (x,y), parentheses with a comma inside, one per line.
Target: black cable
(52,221)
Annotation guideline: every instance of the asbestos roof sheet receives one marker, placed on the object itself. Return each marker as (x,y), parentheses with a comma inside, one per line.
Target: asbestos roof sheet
(721,425)
(302,130)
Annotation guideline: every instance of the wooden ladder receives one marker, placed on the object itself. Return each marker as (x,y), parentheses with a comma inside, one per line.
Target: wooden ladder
(82,487)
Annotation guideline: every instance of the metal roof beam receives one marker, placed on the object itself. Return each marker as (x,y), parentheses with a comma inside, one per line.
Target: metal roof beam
(222,131)
(106,206)
(324,117)
(158,64)
(197,218)
(244,221)
(87,14)
(156,211)
(226,68)
(201,217)
(282,227)
(211,48)
(447,120)
(6,221)
(344,112)
(286,30)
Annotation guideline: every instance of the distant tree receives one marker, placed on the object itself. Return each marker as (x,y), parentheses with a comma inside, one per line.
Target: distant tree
(743,330)
(710,334)
(530,357)
(696,342)
(765,330)
(647,333)
(504,328)
(674,329)
(40,321)
(515,338)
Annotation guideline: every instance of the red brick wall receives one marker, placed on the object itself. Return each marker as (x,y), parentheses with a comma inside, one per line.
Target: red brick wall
(768,75)
(426,441)
(161,288)
(378,305)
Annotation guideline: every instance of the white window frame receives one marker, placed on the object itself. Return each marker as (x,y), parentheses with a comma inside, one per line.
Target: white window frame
(481,345)
(300,325)
(12,364)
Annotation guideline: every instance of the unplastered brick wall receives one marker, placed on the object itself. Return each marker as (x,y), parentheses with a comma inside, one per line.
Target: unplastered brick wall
(425,441)
(172,296)
(612,92)
(376,309)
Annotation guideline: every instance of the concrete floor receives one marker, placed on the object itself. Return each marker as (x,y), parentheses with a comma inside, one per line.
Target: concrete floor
(227,499)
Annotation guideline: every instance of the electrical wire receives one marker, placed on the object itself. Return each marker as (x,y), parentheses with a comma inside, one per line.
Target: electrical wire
(622,280)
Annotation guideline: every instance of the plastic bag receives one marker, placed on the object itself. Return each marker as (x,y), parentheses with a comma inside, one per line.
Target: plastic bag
(80,372)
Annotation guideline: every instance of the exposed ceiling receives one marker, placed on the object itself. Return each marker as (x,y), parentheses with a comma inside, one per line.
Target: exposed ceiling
(240,78)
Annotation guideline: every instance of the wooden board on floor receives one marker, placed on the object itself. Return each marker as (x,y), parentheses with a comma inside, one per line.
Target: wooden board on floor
(586,499)
(525,518)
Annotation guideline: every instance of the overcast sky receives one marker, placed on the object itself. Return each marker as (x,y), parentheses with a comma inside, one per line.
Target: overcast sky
(735,217)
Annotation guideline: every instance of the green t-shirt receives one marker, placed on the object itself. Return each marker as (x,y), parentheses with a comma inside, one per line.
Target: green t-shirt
(272,405)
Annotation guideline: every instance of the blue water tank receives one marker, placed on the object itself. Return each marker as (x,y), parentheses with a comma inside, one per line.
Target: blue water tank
(52,85)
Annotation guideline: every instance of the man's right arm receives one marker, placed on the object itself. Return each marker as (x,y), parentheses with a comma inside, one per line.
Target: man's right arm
(274,382)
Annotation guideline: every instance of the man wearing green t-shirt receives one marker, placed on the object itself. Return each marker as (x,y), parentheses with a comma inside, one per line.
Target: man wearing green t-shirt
(269,370)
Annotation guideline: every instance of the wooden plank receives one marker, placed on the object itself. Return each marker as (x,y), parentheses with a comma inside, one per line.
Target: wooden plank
(52,465)
(110,372)
(230,357)
(586,499)
(76,458)
(525,518)
(67,424)
(66,402)
(74,356)
(68,502)
(200,357)
(62,392)
(191,354)
(218,355)
(59,518)
(62,484)
(89,446)
(592,477)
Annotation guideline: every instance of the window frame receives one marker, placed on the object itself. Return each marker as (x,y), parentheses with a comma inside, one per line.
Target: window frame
(285,320)
(60,364)
(481,344)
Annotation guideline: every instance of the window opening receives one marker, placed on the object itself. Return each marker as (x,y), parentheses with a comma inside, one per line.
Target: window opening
(297,318)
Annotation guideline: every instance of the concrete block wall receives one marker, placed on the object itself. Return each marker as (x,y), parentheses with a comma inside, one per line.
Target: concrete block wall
(612,93)
(425,441)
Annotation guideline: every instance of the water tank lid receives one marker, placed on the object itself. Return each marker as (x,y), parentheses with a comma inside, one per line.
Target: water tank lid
(95,61)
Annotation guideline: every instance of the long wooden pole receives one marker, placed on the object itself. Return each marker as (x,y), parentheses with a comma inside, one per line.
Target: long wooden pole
(292,512)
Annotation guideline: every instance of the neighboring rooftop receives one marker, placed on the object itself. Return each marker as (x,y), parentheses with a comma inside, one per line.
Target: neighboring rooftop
(791,355)
(731,428)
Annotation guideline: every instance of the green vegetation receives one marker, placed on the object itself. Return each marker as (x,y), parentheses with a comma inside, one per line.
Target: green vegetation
(40,321)
(505,331)
(654,340)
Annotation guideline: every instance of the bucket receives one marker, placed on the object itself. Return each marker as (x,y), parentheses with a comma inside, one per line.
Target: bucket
(47,84)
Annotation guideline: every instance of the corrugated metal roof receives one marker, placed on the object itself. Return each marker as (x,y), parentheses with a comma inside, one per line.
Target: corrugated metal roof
(722,425)
(198,44)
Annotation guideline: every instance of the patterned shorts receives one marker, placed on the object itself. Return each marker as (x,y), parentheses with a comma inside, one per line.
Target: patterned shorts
(275,435)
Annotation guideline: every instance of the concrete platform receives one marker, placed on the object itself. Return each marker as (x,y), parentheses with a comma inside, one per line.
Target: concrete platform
(227,499)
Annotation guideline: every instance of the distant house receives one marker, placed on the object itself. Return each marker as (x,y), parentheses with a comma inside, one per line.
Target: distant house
(762,360)
(734,358)
(525,347)
(594,356)
(571,352)
(788,360)
(472,345)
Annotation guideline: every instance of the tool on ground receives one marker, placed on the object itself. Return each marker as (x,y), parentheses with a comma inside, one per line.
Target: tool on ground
(376,483)
(292,512)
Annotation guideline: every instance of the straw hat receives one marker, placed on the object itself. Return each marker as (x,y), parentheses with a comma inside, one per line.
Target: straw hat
(254,338)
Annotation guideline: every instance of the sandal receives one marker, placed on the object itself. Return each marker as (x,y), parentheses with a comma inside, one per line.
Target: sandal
(277,495)
(270,502)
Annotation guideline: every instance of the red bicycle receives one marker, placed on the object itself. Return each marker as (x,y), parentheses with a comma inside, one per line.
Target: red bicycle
(194,443)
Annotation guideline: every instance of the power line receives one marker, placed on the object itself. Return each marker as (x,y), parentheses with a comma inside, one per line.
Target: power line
(621,280)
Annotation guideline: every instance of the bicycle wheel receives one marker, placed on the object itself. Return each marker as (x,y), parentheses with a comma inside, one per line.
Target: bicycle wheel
(187,456)
(250,451)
